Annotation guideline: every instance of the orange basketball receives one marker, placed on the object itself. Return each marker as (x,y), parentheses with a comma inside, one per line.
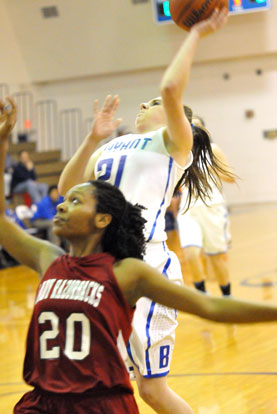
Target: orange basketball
(185,13)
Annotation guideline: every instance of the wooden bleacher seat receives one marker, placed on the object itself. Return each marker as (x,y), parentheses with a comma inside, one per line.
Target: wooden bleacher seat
(45,157)
(14,149)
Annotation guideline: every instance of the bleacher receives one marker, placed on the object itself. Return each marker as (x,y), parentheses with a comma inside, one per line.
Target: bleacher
(48,166)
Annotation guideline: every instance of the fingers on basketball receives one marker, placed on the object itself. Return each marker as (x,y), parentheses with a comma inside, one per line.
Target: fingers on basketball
(186,13)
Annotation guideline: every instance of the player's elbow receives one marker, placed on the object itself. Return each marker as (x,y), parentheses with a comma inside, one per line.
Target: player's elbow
(212,310)
(169,90)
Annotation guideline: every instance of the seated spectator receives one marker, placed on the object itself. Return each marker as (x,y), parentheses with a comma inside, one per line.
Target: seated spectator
(45,211)
(24,179)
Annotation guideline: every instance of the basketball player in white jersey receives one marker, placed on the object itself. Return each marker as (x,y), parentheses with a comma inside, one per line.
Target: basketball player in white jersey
(205,227)
(147,166)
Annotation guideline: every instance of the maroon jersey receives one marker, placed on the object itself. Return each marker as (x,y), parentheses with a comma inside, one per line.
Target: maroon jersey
(80,316)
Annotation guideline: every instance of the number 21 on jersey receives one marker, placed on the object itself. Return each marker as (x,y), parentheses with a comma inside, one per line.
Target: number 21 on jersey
(106,166)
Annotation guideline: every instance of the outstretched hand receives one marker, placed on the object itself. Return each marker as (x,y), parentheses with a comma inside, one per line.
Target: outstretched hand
(217,20)
(104,123)
(8,116)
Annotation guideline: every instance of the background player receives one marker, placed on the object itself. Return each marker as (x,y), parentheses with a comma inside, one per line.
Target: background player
(205,227)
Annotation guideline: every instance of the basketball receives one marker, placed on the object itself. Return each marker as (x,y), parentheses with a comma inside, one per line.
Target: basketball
(185,13)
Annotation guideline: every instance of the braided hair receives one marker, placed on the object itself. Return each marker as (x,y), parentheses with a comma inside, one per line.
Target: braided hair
(205,168)
(124,236)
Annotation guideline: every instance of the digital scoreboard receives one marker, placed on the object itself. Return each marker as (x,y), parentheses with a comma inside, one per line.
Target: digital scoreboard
(162,13)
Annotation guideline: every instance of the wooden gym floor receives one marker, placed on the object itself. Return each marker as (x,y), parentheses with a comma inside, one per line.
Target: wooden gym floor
(217,368)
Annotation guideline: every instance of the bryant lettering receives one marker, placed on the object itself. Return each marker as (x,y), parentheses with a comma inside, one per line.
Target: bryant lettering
(121,145)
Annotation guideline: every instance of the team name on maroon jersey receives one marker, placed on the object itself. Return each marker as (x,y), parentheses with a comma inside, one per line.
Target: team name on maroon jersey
(71,289)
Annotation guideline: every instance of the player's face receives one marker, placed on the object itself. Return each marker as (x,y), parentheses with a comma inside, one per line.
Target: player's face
(76,214)
(151,116)
(24,157)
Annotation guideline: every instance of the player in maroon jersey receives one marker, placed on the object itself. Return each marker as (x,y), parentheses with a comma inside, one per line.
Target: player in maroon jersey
(85,301)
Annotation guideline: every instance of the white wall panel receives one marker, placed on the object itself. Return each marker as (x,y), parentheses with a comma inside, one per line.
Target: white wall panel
(12,68)
(93,37)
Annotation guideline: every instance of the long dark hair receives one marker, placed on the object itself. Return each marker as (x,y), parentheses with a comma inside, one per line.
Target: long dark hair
(205,168)
(124,236)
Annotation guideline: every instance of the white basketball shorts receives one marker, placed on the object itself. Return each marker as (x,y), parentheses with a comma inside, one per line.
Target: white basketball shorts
(205,227)
(152,340)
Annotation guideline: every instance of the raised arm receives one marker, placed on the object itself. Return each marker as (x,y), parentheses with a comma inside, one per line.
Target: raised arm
(138,279)
(103,126)
(179,139)
(28,250)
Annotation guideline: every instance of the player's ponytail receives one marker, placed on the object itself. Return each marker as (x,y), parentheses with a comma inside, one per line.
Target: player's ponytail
(124,237)
(205,168)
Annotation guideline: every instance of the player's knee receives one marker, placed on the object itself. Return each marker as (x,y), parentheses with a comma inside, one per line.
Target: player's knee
(149,392)
(159,396)
(219,258)
(192,253)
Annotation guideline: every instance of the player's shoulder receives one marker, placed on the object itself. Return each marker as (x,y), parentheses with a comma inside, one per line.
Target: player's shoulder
(130,268)
(129,263)
(49,253)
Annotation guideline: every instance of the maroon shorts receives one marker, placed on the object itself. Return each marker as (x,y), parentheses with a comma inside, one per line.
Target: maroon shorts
(41,402)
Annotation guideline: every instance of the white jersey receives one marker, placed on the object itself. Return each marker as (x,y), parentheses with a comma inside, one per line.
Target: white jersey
(140,166)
